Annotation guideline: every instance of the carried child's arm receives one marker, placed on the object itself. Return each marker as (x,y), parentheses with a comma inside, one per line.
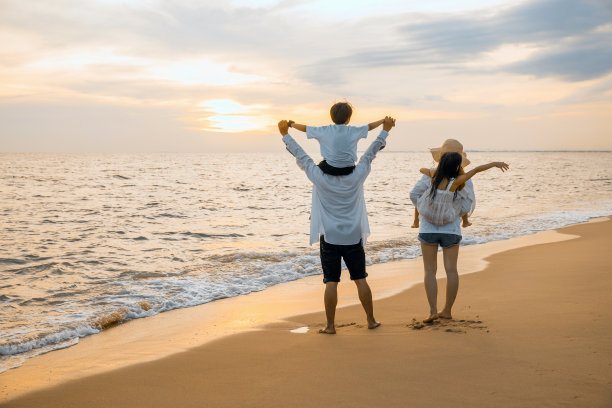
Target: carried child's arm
(427,172)
(297,126)
(376,124)
(465,177)
(415,223)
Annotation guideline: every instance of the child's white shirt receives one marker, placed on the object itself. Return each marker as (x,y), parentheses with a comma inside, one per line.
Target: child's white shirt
(338,142)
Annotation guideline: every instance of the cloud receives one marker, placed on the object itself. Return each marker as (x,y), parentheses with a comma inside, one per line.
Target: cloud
(559,30)
(576,60)
(292,59)
(541,21)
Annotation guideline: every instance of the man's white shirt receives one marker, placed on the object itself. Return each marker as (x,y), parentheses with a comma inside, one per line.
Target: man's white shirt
(338,205)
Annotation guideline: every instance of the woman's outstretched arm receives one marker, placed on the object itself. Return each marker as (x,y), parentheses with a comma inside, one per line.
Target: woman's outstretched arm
(465,177)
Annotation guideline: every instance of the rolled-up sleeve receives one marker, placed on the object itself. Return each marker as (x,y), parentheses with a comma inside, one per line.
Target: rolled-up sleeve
(302,158)
(419,188)
(365,162)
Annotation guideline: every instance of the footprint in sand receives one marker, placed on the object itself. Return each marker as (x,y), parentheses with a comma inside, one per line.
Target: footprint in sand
(346,324)
(342,325)
(449,325)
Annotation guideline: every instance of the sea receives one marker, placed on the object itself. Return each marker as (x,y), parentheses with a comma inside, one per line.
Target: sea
(90,241)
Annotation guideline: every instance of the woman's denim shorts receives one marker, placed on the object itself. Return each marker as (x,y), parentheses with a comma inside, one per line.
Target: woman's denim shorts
(436,238)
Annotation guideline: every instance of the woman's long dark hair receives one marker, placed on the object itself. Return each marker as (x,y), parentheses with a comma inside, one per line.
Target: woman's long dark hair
(448,168)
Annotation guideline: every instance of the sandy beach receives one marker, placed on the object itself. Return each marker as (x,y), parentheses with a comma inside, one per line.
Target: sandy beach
(531,329)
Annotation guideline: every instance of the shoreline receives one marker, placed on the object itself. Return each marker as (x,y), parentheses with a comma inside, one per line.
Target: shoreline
(169,333)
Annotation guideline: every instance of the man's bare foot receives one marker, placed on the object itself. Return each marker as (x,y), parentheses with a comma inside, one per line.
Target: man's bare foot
(373,324)
(466,224)
(431,318)
(415,225)
(445,316)
(328,330)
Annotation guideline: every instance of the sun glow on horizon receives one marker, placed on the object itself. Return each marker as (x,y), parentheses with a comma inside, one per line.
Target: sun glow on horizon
(227,116)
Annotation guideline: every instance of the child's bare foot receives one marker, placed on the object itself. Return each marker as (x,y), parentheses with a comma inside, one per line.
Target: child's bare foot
(415,225)
(466,223)
(328,330)
(431,318)
(373,324)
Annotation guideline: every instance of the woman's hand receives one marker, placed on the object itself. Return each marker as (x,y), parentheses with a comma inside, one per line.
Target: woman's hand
(501,165)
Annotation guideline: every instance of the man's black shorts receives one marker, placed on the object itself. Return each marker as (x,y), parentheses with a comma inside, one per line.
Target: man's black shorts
(335,171)
(331,255)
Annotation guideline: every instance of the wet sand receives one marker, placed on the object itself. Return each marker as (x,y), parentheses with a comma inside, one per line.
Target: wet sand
(531,329)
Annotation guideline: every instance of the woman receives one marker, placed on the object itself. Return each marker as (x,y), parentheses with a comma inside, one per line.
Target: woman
(448,236)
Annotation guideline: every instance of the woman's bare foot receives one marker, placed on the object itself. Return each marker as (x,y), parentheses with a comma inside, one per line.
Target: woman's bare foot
(445,316)
(466,223)
(328,330)
(415,225)
(373,324)
(431,318)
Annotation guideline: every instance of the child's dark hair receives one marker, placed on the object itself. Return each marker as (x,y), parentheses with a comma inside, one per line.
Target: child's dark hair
(341,112)
(448,168)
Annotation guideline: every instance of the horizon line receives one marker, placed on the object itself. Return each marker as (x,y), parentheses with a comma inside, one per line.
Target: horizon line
(272,151)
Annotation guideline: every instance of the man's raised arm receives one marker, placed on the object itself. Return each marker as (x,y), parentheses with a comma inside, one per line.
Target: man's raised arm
(365,162)
(302,158)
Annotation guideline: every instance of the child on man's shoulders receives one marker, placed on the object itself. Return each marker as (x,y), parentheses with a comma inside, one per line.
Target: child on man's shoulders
(338,142)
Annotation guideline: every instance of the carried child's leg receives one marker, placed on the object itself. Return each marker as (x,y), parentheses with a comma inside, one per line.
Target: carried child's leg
(415,224)
(466,221)
(335,171)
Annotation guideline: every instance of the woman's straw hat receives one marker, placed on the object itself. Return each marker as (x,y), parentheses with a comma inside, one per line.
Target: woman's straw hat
(449,146)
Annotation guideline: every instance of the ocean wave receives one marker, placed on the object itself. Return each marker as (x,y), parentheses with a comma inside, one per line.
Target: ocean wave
(50,339)
(170,215)
(32,269)
(221,276)
(208,235)
(9,362)
(12,261)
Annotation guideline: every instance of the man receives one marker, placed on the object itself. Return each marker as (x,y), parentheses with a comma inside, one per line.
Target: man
(339,220)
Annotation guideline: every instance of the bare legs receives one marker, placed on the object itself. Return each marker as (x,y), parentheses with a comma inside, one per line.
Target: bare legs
(430,264)
(452,279)
(365,297)
(331,301)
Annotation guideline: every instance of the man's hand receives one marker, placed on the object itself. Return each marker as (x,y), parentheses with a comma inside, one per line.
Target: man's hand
(388,123)
(283,127)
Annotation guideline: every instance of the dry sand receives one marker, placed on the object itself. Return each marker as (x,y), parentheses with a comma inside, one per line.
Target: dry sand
(532,329)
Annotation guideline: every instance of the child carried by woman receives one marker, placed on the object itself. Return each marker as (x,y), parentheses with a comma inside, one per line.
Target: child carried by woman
(467,189)
(439,205)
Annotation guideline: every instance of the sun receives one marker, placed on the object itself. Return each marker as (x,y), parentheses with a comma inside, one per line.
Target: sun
(228,116)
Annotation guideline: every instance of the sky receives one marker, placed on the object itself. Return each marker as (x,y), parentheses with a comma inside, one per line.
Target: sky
(211,76)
